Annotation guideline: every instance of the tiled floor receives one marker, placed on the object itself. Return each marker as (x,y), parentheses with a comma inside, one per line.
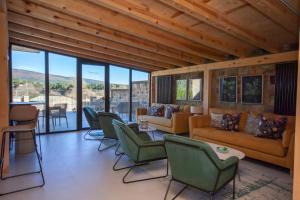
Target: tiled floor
(75,170)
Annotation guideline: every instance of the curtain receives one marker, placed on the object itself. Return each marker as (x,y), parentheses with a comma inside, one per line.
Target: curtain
(286,89)
(164,89)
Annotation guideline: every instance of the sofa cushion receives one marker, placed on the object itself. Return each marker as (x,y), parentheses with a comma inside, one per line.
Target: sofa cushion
(169,110)
(216,120)
(271,128)
(269,146)
(157,120)
(156,110)
(231,122)
(252,123)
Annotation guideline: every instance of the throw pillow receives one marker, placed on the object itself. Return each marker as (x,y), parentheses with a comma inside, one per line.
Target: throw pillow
(231,122)
(252,123)
(156,111)
(216,119)
(169,110)
(271,128)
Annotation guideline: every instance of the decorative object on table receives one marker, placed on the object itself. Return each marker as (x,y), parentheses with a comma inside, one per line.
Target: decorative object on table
(231,122)
(222,149)
(196,110)
(156,110)
(228,89)
(195,89)
(143,124)
(271,128)
(170,110)
(252,89)
(181,87)
(216,120)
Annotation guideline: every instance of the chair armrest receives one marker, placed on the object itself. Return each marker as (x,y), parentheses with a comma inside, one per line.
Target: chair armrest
(153,144)
(141,111)
(229,162)
(180,122)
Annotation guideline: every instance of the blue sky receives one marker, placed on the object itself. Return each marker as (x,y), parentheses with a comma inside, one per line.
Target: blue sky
(66,66)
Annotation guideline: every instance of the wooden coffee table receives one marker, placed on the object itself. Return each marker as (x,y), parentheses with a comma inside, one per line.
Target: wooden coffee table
(231,152)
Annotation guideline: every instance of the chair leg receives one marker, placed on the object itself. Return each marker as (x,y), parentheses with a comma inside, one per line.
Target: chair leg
(67,122)
(105,148)
(144,179)
(89,133)
(233,189)
(211,196)
(40,145)
(40,166)
(117,149)
(169,186)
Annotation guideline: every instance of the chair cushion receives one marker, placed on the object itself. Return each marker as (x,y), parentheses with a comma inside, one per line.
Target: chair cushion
(157,120)
(269,146)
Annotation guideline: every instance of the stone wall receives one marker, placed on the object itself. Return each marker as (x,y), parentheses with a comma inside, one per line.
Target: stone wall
(268,72)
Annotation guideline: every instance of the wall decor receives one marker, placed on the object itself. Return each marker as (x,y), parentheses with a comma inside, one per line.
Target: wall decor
(195,89)
(252,89)
(228,89)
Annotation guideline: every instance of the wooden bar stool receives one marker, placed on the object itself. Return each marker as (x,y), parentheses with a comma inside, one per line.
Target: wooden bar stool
(26,118)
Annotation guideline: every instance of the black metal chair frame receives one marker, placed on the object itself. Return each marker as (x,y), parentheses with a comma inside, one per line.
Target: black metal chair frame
(21,174)
(89,131)
(211,193)
(140,163)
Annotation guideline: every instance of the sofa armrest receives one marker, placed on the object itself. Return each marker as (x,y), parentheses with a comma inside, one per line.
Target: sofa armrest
(180,122)
(290,154)
(141,111)
(287,137)
(198,121)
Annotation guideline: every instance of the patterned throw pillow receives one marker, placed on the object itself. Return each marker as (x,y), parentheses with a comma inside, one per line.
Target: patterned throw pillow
(271,128)
(169,110)
(216,119)
(252,123)
(156,111)
(231,122)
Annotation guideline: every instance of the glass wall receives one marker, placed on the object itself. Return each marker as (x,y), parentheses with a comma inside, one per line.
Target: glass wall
(140,91)
(28,79)
(119,91)
(93,94)
(62,92)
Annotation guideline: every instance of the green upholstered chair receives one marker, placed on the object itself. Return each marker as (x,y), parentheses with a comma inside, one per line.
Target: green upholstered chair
(92,118)
(194,163)
(139,151)
(106,122)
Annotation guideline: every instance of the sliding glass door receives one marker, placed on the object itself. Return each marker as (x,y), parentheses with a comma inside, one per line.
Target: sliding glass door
(93,89)
(119,91)
(62,92)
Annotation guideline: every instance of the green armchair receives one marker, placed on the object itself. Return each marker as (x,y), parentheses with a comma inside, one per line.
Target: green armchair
(195,164)
(106,122)
(139,151)
(92,118)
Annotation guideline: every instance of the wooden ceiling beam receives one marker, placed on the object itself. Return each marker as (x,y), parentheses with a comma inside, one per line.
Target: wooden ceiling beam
(278,13)
(69,53)
(117,21)
(139,11)
(59,30)
(78,49)
(202,12)
(87,46)
(51,16)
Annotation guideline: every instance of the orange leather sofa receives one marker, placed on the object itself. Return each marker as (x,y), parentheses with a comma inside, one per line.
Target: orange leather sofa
(276,151)
(179,122)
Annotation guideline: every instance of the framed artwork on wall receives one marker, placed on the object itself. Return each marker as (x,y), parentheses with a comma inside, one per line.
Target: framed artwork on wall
(228,89)
(252,89)
(195,89)
(181,88)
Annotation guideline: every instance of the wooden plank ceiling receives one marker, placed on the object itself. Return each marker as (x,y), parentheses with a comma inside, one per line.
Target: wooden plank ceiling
(155,34)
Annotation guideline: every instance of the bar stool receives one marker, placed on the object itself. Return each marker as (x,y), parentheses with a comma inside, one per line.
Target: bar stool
(26,118)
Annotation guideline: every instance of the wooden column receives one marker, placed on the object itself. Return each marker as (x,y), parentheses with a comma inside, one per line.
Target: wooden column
(153,90)
(296,189)
(206,90)
(4,86)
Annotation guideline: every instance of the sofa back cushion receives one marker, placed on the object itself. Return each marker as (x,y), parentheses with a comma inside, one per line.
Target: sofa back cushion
(156,111)
(243,115)
(169,110)
(216,120)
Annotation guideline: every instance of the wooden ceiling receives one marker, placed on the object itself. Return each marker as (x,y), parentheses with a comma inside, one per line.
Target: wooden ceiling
(155,34)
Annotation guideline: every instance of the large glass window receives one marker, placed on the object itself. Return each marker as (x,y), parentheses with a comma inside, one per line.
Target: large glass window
(119,91)
(140,91)
(28,79)
(62,92)
(92,89)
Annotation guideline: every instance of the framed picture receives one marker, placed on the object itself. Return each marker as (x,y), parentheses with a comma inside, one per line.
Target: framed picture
(195,89)
(228,89)
(252,89)
(181,87)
